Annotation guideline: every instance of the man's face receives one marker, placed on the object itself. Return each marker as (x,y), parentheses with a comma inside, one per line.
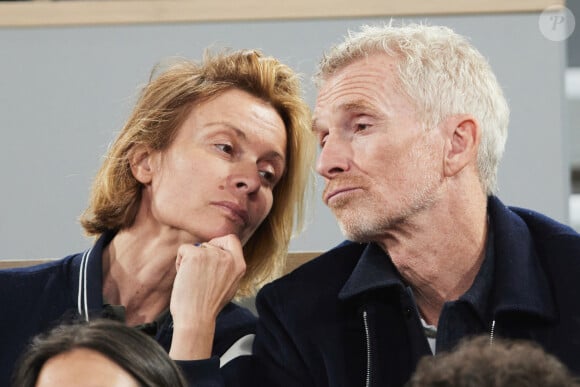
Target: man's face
(380,165)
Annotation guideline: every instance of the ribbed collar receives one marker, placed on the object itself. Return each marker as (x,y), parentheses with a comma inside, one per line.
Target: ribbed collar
(94,273)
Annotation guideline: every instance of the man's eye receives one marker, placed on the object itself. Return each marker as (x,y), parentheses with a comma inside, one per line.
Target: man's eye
(362,126)
(226,148)
(322,140)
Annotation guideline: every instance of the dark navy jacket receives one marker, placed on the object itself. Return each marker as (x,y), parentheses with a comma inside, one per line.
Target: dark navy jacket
(348,319)
(34,299)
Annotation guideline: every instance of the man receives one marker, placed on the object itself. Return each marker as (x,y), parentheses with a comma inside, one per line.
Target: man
(412,124)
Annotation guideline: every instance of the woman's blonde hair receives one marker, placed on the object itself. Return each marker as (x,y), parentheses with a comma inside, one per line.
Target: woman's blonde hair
(162,107)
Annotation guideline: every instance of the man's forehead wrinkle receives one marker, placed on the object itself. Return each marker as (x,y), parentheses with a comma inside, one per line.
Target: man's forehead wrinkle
(357,87)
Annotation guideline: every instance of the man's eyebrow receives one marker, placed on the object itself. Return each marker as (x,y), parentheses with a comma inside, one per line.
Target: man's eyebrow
(357,105)
(351,106)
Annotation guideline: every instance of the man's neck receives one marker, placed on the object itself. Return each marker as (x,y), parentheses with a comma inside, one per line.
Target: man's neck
(440,254)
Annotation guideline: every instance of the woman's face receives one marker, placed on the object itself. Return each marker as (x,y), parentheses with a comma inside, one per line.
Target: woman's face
(217,176)
(83,367)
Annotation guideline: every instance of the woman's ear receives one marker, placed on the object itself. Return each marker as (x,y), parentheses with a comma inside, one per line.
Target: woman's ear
(463,140)
(141,164)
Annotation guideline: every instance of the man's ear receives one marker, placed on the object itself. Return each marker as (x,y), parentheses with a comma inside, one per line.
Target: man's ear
(141,163)
(463,137)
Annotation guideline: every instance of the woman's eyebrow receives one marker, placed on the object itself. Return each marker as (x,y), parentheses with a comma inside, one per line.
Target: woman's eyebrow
(242,135)
(238,132)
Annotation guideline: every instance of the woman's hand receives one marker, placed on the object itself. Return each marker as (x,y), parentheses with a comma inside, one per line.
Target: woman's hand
(207,278)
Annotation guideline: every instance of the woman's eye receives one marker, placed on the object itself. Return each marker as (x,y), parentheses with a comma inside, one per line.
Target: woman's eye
(226,148)
(268,176)
(361,126)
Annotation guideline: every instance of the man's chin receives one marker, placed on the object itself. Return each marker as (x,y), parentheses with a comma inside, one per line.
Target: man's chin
(349,226)
(358,225)
(342,203)
(354,235)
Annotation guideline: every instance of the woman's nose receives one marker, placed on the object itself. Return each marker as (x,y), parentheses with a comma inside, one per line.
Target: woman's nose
(246,178)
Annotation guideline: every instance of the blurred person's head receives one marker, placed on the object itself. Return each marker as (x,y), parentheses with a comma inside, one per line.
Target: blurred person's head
(99,353)
(504,363)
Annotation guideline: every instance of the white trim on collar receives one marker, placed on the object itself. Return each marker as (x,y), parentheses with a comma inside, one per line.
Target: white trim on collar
(242,347)
(82,303)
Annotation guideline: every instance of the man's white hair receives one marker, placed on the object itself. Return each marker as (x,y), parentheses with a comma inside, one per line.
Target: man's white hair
(442,74)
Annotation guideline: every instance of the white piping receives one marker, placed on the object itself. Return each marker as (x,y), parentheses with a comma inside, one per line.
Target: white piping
(242,347)
(82,292)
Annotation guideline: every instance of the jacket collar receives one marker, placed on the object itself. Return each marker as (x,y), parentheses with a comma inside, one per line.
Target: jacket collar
(519,283)
(374,270)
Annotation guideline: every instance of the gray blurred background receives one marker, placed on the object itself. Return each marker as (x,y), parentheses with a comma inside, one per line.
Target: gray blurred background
(66,91)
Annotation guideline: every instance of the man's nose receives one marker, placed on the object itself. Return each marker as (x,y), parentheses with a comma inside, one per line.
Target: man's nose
(334,157)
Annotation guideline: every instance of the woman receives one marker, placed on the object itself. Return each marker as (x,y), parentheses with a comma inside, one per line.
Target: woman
(100,353)
(210,168)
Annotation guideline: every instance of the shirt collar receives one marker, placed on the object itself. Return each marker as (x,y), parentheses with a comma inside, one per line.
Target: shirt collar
(117,313)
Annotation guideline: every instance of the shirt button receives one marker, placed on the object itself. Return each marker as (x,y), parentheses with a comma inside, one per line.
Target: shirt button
(408,312)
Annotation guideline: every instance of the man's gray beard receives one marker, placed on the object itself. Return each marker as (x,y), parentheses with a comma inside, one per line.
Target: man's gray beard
(359,223)
(360,229)
(355,234)
(367,225)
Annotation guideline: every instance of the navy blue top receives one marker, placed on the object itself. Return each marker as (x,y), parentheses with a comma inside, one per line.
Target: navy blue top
(347,318)
(35,299)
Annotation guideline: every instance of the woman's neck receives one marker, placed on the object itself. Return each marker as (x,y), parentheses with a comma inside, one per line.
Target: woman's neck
(138,273)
